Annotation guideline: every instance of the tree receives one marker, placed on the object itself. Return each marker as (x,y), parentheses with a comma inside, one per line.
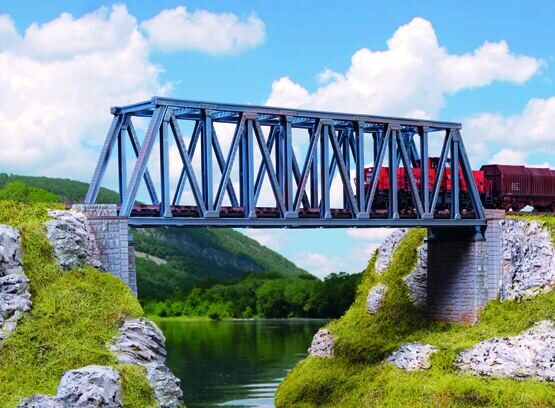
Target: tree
(18,191)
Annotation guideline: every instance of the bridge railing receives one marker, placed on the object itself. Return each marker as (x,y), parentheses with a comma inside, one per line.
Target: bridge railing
(300,182)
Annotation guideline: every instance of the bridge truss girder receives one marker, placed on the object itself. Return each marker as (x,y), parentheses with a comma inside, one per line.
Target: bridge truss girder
(301,189)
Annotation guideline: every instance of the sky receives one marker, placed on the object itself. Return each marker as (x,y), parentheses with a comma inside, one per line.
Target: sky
(489,65)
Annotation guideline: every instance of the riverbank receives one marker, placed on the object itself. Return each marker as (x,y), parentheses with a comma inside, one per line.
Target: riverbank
(356,371)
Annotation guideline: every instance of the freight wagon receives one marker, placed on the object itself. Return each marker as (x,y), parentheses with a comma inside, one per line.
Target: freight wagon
(500,186)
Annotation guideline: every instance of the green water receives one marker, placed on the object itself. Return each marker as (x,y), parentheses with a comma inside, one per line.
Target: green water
(235,363)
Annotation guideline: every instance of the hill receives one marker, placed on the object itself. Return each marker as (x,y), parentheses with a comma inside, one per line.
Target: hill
(69,191)
(171,260)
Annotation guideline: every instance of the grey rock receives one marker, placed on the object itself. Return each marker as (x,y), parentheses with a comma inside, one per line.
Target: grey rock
(10,251)
(87,387)
(412,356)
(72,239)
(91,386)
(41,401)
(387,249)
(529,355)
(141,342)
(323,344)
(417,280)
(375,297)
(166,386)
(15,299)
(528,259)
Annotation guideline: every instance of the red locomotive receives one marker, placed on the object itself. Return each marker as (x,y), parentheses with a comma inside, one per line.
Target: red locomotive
(500,186)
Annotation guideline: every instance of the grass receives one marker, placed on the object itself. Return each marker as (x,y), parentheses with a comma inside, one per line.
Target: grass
(357,376)
(74,315)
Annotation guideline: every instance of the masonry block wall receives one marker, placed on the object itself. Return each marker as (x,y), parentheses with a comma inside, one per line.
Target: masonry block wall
(463,271)
(112,237)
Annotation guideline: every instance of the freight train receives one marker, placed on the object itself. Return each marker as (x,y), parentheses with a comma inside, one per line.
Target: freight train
(500,187)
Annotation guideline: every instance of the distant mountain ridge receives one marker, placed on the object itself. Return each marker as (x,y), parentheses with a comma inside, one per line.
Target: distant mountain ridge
(192,255)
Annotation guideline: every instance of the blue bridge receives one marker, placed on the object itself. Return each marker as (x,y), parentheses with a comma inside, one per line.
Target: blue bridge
(224,190)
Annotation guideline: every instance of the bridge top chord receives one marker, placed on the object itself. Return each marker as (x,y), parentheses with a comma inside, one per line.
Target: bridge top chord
(297,155)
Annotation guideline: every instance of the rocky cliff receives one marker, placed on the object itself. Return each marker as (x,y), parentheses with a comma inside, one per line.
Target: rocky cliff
(385,352)
(71,335)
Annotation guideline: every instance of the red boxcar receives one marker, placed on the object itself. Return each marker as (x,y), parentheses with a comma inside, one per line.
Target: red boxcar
(514,187)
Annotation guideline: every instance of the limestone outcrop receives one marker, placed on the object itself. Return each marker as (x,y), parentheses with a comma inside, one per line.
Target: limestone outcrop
(15,299)
(87,387)
(141,342)
(528,259)
(417,280)
(413,356)
(375,297)
(387,249)
(322,345)
(529,355)
(70,235)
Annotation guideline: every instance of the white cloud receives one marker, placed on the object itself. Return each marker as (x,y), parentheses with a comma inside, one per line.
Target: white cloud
(530,131)
(201,30)
(56,91)
(411,77)
(59,78)
(272,238)
(508,156)
(318,264)
(376,235)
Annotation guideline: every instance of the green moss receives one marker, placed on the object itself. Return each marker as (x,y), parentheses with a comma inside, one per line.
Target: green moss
(357,376)
(136,390)
(74,315)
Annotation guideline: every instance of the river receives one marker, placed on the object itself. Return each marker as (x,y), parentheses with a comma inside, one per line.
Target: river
(237,363)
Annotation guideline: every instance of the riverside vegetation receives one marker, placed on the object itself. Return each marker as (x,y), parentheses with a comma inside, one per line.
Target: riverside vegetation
(357,374)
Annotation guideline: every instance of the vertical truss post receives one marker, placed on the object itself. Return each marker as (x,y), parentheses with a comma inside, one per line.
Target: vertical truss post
(347,160)
(314,173)
(286,139)
(324,172)
(122,164)
(393,166)
(276,132)
(247,168)
(359,161)
(455,184)
(424,173)
(376,139)
(165,210)
(206,161)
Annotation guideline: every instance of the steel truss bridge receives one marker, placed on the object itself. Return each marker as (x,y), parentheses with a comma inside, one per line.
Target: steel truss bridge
(300,186)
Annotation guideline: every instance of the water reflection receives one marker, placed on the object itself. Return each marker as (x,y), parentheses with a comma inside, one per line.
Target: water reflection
(235,363)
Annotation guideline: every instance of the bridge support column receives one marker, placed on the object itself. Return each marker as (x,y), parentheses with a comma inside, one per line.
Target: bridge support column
(113,240)
(464,269)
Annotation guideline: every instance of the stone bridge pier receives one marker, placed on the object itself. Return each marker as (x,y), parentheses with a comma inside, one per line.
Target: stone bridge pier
(464,270)
(114,241)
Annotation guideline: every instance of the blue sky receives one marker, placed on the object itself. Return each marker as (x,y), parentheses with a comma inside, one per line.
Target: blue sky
(488,65)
